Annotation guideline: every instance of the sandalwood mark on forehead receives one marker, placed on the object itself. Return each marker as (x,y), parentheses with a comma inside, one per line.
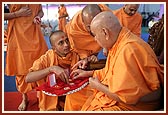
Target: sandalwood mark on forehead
(62,36)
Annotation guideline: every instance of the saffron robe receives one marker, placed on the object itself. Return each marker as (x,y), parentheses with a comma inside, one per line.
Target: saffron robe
(131,71)
(62,21)
(5,37)
(133,23)
(49,59)
(80,39)
(25,43)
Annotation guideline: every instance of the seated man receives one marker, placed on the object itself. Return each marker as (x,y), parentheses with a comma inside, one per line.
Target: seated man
(55,60)
(129,17)
(132,78)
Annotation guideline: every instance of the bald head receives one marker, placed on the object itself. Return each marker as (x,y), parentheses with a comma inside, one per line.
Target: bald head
(89,12)
(130,9)
(132,5)
(107,20)
(54,36)
(61,5)
(90,9)
(105,25)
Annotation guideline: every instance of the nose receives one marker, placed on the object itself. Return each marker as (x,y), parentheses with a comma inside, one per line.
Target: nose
(66,44)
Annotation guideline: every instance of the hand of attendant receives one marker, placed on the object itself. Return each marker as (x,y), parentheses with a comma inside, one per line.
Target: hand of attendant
(37,20)
(24,11)
(93,59)
(79,73)
(60,72)
(82,64)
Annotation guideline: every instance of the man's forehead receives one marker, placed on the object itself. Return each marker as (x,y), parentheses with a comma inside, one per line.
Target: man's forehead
(59,33)
(61,37)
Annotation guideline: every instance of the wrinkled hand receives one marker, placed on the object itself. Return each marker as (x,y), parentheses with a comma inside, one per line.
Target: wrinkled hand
(93,58)
(94,82)
(24,11)
(82,64)
(78,73)
(37,20)
(60,72)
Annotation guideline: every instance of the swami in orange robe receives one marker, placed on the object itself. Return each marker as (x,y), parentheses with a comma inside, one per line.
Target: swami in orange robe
(133,23)
(84,44)
(50,58)
(62,17)
(80,39)
(25,44)
(127,74)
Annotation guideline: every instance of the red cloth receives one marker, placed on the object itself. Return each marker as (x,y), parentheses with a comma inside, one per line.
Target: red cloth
(61,88)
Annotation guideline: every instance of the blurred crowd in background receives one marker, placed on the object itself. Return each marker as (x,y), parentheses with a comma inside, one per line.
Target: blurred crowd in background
(50,19)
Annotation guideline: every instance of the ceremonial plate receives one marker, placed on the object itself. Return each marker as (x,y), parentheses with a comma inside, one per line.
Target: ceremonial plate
(56,87)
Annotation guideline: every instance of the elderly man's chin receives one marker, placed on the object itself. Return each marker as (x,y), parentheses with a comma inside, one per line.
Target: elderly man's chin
(130,14)
(66,51)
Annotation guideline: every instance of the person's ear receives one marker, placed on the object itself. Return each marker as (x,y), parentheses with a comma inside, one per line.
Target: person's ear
(106,33)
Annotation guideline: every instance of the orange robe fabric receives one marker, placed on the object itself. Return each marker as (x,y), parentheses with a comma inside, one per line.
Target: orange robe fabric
(75,101)
(132,71)
(133,23)
(5,37)
(80,39)
(46,102)
(62,21)
(25,43)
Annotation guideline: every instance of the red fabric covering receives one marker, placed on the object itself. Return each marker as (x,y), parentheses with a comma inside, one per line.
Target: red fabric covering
(61,88)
